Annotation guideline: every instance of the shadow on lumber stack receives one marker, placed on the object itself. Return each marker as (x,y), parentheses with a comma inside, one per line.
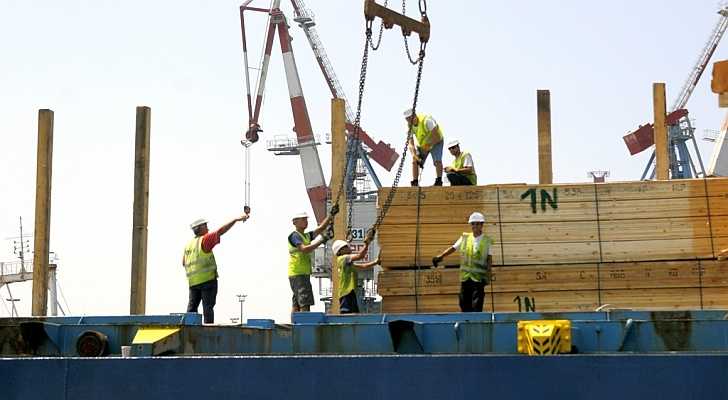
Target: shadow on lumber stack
(563,247)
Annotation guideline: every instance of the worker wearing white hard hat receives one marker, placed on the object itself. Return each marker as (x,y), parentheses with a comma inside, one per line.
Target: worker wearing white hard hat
(462,170)
(344,262)
(301,245)
(201,267)
(429,137)
(476,259)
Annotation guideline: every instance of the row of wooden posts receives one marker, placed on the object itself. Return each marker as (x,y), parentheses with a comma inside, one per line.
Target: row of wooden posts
(41,238)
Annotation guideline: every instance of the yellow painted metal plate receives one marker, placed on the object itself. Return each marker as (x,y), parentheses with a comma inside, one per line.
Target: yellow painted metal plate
(152,335)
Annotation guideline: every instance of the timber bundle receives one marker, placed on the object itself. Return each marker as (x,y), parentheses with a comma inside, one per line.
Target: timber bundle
(563,247)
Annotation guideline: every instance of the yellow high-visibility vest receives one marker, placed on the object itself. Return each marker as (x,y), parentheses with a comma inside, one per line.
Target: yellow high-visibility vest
(199,266)
(347,276)
(425,139)
(473,261)
(299,263)
(459,163)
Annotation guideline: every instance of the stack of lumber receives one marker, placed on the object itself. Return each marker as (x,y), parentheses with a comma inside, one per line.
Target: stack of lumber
(563,247)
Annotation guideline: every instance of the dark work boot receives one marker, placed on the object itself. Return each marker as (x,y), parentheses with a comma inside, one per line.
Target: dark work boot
(415,183)
(438,182)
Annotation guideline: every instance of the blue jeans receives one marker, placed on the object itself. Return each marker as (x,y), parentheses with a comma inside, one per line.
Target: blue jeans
(436,152)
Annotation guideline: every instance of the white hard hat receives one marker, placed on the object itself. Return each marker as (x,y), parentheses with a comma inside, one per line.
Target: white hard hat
(197,223)
(476,217)
(338,245)
(453,143)
(300,215)
(408,113)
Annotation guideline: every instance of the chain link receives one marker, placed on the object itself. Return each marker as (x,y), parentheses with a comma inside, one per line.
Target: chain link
(406,42)
(353,143)
(381,30)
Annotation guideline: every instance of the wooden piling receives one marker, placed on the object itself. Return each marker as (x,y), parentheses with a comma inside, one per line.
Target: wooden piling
(137,303)
(543,105)
(44,164)
(662,163)
(338,164)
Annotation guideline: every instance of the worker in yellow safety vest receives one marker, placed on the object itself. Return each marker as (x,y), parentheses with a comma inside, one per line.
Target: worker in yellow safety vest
(301,245)
(201,268)
(462,171)
(429,140)
(475,263)
(344,262)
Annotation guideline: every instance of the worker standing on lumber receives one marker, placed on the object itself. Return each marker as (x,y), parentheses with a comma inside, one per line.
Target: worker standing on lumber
(344,262)
(201,268)
(475,263)
(462,171)
(429,140)
(301,245)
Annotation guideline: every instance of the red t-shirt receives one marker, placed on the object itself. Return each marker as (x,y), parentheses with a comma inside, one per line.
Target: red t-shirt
(210,240)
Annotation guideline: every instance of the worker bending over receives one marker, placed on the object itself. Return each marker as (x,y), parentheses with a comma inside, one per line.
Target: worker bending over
(462,171)
(344,261)
(301,245)
(201,268)
(475,263)
(429,140)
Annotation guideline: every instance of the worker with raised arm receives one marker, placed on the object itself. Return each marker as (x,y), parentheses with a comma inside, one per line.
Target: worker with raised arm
(475,263)
(344,262)
(201,268)
(462,170)
(301,245)
(429,140)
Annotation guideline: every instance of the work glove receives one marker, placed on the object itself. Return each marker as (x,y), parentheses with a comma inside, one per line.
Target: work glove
(421,157)
(334,210)
(370,236)
(328,234)
(436,260)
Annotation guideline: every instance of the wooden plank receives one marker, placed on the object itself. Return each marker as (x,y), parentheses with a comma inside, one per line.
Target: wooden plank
(610,210)
(504,302)
(568,192)
(646,190)
(653,299)
(458,213)
(715,298)
(655,229)
(649,275)
(138,295)
(338,165)
(549,301)
(662,160)
(543,110)
(41,239)
(646,250)
(715,273)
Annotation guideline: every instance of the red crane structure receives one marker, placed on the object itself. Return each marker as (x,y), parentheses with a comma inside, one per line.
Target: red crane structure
(305,142)
(679,127)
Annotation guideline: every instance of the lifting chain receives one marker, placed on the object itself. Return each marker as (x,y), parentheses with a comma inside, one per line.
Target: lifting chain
(381,30)
(347,181)
(352,145)
(423,14)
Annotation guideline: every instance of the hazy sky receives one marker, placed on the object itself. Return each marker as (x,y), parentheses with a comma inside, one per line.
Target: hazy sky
(93,62)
